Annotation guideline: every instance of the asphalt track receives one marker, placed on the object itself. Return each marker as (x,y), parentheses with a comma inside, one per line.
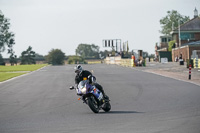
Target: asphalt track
(141,102)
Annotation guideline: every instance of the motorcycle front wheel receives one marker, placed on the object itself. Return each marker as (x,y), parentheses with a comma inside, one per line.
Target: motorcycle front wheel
(92,103)
(107,107)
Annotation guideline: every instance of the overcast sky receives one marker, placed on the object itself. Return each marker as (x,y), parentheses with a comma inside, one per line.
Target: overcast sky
(64,24)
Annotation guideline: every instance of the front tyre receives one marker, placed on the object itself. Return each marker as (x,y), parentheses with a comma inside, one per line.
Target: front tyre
(107,107)
(92,103)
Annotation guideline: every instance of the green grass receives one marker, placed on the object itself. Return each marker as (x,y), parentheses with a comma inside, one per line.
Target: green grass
(21,68)
(5,76)
(8,72)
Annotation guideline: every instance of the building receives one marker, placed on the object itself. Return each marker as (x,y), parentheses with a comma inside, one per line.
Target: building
(163,45)
(189,33)
(185,51)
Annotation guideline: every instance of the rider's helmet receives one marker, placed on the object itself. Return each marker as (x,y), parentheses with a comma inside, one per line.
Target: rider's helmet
(92,79)
(78,69)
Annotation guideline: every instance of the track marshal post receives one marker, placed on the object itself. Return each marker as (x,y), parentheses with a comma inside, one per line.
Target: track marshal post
(190,67)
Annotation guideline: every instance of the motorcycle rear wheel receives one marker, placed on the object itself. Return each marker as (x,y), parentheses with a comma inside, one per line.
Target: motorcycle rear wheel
(92,103)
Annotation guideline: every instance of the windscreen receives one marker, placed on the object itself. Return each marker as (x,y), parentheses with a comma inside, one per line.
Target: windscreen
(82,84)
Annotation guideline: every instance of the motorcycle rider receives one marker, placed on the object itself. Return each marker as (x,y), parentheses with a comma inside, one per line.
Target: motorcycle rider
(84,75)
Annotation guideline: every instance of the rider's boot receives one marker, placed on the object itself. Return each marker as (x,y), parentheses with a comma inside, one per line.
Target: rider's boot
(105,97)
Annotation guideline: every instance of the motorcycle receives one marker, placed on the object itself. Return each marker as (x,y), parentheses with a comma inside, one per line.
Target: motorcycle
(92,96)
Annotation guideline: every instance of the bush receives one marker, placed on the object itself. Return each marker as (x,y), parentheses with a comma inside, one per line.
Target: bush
(2,61)
(76,60)
(190,62)
(55,57)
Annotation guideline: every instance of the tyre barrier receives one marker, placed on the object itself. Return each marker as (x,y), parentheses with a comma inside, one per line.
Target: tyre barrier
(196,63)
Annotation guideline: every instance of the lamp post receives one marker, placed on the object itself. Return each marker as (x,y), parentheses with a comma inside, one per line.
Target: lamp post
(172,26)
(179,37)
(179,32)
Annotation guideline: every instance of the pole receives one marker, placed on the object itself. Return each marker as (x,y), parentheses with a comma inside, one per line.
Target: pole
(190,66)
(179,36)
(116,45)
(179,33)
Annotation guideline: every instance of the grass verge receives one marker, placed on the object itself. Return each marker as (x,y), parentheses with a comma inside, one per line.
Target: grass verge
(21,68)
(5,76)
(8,72)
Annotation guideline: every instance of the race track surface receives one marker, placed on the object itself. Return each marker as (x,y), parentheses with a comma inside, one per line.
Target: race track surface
(141,102)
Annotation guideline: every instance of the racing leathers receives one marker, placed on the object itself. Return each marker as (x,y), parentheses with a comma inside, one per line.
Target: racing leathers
(84,76)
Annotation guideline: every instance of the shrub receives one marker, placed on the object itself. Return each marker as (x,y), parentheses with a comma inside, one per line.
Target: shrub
(76,60)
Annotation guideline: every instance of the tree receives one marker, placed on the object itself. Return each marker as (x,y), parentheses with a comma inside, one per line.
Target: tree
(171,45)
(113,52)
(152,55)
(13,57)
(55,57)
(6,37)
(27,56)
(76,60)
(87,51)
(1,60)
(103,54)
(171,20)
(38,55)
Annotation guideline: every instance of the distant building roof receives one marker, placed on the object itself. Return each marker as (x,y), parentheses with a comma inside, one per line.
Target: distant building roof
(192,43)
(165,36)
(191,25)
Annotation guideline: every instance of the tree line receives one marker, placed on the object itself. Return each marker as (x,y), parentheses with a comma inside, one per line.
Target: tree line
(57,56)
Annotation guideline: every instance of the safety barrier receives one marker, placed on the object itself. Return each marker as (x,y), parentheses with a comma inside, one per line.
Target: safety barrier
(94,62)
(113,60)
(196,63)
(127,62)
(124,62)
(119,61)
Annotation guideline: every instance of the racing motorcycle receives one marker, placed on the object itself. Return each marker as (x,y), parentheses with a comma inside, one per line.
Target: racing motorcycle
(92,96)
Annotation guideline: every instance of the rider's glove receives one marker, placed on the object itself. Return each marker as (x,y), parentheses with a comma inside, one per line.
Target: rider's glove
(71,87)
